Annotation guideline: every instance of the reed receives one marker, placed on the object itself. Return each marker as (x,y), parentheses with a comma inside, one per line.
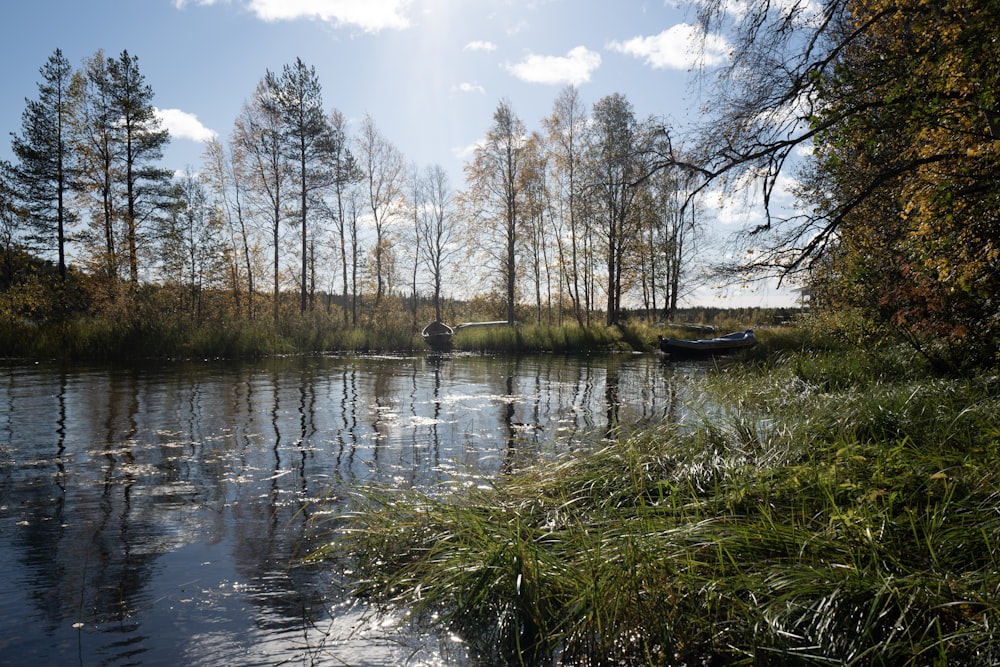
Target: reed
(565,339)
(829,516)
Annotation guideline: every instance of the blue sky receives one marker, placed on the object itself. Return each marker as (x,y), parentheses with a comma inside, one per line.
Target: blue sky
(430,72)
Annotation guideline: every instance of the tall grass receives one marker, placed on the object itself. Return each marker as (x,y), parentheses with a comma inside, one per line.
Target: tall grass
(99,338)
(565,339)
(830,516)
(160,335)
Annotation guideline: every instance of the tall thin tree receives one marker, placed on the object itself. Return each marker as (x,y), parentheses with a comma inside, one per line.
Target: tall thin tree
(383,170)
(257,147)
(296,95)
(493,194)
(417,202)
(141,143)
(45,173)
(344,171)
(95,155)
(615,168)
(224,176)
(566,129)
(437,229)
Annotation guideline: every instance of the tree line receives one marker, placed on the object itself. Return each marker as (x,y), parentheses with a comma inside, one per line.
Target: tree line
(567,221)
(882,114)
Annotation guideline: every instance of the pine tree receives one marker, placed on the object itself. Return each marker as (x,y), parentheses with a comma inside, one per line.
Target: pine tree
(142,143)
(44,173)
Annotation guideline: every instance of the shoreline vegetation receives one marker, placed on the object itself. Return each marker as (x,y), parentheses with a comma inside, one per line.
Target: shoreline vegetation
(143,333)
(841,510)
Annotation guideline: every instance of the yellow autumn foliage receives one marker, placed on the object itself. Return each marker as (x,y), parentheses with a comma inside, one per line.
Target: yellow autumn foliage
(918,157)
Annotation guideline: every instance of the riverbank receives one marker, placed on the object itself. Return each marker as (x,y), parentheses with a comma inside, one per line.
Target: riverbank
(158,337)
(845,512)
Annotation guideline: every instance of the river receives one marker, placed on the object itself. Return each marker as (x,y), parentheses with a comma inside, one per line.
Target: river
(157,515)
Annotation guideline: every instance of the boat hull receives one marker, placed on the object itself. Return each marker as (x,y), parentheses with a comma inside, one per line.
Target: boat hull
(438,336)
(708,347)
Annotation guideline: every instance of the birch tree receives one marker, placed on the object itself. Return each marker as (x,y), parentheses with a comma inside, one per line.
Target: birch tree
(566,130)
(224,177)
(417,195)
(493,196)
(344,172)
(536,214)
(191,243)
(384,174)
(437,230)
(614,170)
(95,150)
(258,149)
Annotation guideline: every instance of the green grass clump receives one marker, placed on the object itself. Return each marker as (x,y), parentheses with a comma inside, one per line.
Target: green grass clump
(829,515)
(565,339)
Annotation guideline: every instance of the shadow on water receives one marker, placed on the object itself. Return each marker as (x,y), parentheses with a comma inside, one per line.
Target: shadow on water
(157,515)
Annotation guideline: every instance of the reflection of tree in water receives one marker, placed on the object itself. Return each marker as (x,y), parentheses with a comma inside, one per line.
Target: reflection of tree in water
(117,473)
(522,436)
(37,494)
(145,487)
(271,528)
(85,535)
(346,433)
(436,362)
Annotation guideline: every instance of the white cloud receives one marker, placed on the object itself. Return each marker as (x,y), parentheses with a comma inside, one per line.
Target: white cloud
(573,68)
(480,45)
(466,153)
(181,4)
(466,87)
(369,15)
(184,125)
(679,47)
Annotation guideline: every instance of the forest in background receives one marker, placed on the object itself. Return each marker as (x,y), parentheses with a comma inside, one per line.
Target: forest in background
(293,216)
(883,114)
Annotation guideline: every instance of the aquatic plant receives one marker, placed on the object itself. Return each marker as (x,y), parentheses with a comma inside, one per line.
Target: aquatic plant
(831,515)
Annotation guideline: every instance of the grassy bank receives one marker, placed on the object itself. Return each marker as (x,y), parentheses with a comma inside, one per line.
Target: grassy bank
(843,511)
(104,339)
(566,339)
(158,336)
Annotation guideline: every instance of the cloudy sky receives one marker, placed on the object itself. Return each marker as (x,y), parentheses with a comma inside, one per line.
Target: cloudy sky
(430,72)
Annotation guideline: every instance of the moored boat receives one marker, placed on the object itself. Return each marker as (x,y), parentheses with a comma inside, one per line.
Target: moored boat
(707,347)
(438,335)
(493,323)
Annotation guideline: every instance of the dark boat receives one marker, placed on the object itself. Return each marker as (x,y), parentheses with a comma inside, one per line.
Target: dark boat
(707,347)
(438,335)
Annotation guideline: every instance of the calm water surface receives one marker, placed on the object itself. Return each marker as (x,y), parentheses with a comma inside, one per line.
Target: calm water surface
(157,515)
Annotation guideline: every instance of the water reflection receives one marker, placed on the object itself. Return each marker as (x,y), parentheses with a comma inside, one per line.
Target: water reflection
(156,515)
